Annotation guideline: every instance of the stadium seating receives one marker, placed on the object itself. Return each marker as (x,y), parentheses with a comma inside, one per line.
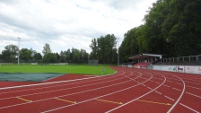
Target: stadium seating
(141,65)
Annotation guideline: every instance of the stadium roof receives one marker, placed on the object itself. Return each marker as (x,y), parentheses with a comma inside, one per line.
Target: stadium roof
(144,56)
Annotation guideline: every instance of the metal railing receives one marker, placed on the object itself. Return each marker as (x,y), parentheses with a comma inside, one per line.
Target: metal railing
(191,60)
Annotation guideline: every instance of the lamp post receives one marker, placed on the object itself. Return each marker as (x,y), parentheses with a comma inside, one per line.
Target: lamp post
(18,51)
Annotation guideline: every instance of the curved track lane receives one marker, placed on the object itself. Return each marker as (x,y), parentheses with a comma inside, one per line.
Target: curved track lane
(129,90)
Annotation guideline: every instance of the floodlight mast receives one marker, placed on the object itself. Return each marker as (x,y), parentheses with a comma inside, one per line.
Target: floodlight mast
(18,50)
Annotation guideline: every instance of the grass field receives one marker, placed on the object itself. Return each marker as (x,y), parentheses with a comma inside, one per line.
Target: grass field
(67,69)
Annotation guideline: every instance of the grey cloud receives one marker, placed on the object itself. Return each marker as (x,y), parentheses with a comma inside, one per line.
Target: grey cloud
(119,4)
(8,1)
(29,29)
(78,22)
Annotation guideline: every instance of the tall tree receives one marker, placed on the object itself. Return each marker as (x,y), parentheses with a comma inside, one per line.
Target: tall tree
(68,55)
(50,58)
(94,47)
(37,56)
(104,49)
(25,54)
(10,53)
(129,45)
(46,49)
(83,56)
(153,36)
(62,57)
(75,55)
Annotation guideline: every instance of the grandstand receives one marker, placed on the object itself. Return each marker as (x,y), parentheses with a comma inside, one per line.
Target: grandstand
(144,59)
(183,64)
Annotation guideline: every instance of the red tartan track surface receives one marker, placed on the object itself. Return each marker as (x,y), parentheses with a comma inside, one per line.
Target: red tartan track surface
(129,90)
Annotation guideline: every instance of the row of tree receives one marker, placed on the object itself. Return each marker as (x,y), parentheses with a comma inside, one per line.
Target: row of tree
(103,49)
(172,28)
(10,54)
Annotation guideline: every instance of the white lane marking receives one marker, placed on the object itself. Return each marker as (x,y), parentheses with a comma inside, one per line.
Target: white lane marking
(149,88)
(189,108)
(158,92)
(169,98)
(151,81)
(158,78)
(193,94)
(179,83)
(143,78)
(79,93)
(193,87)
(176,89)
(137,98)
(182,93)
(51,78)
(85,91)
(170,82)
(157,82)
(59,90)
(193,83)
(47,87)
(55,82)
(143,85)
(48,83)
(98,97)
(166,85)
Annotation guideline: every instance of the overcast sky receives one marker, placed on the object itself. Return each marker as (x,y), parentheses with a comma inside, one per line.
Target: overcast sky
(65,24)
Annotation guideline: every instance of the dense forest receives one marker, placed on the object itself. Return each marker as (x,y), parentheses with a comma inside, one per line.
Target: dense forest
(171,28)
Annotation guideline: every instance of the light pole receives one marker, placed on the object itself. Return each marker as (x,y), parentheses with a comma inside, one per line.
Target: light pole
(18,51)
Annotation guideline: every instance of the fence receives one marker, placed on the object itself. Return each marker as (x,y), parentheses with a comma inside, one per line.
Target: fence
(93,62)
(185,60)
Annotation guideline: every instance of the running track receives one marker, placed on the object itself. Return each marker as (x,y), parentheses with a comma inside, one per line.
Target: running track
(129,90)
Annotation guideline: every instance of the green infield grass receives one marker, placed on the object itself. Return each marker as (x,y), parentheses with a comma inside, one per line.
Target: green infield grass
(65,69)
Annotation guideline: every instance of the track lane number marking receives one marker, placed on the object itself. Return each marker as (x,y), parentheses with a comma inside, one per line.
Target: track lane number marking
(23,99)
(64,100)
(108,101)
(153,102)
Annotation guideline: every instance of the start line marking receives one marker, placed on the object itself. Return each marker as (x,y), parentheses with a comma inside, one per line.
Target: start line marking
(108,101)
(64,100)
(23,99)
(146,101)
